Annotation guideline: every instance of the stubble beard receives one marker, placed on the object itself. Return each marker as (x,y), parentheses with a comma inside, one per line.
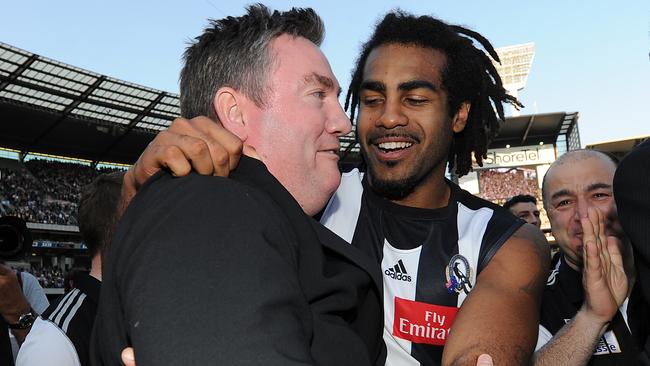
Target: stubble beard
(400,188)
(419,171)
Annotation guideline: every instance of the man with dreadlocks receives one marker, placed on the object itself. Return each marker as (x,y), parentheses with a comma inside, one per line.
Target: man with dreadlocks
(424,95)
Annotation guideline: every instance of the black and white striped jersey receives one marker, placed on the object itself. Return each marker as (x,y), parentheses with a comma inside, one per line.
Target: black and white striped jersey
(74,313)
(429,259)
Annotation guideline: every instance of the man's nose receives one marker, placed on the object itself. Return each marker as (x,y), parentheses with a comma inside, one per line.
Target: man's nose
(338,122)
(581,208)
(392,116)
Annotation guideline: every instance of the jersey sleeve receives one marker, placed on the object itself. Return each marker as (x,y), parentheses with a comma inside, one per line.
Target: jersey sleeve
(342,211)
(34,293)
(46,344)
(543,337)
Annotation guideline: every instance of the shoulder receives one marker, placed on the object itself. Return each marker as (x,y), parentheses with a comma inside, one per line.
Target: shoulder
(212,218)
(193,200)
(30,282)
(73,313)
(46,344)
(533,237)
(500,218)
(34,292)
(28,278)
(530,240)
(525,256)
(491,224)
(180,190)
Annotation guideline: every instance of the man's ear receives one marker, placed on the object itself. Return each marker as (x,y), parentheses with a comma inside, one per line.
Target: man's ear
(227,106)
(460,118)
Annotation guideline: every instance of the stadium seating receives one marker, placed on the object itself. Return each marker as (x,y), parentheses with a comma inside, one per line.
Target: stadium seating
(44,191)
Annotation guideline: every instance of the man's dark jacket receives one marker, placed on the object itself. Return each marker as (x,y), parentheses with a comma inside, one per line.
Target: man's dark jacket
(632,194)
(213,271)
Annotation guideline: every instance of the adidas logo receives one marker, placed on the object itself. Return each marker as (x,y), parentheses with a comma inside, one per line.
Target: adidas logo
(398,272)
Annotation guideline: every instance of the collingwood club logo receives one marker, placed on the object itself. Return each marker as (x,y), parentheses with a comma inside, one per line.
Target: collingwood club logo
(398,272)
(458,273)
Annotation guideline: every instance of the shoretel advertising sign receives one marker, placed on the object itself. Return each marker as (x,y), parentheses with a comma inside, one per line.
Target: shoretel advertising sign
(519,156)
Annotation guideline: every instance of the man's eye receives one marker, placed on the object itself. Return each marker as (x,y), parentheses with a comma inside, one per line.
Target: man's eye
(320,94)
(370,101)
(563,203)
(601,195)
(416,101)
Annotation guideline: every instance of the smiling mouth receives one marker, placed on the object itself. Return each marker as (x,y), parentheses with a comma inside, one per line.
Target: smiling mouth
(394,145)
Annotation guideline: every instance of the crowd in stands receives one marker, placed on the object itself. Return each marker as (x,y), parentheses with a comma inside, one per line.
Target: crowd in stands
(45,191)
(49,277)
(497,185)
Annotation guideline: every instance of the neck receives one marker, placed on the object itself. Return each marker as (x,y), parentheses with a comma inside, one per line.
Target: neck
(573,266)
(432,192)
(96,267)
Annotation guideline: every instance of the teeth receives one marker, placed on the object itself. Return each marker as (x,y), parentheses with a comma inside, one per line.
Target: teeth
(394,145)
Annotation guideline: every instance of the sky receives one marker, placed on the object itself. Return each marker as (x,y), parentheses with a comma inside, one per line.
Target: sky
(591,56)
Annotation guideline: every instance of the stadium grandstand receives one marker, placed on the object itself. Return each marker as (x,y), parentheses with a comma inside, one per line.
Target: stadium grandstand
(60,127)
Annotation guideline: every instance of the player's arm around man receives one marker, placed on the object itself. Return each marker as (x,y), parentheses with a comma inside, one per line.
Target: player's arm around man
(198,144)
(500,315)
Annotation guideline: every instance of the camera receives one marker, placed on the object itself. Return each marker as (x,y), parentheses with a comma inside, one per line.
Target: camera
(15,238)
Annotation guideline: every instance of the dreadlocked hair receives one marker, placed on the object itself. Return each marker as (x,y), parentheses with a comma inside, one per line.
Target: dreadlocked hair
(469,76)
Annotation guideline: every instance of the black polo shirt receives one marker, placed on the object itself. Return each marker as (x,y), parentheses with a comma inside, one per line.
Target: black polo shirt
(563,297)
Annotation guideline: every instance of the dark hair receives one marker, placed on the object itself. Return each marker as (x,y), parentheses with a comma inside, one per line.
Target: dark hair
(469,76)
(519,199)
(98,215)
(570,155)
(234,52)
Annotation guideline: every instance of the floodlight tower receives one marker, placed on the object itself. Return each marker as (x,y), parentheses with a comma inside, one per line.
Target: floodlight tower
(514,68)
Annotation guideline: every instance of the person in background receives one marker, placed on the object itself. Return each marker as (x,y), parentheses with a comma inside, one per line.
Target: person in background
(61,335)
(591,313)
(22,298)
(524,206)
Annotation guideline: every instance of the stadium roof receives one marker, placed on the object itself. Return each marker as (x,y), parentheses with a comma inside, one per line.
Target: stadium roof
(535,128)
(50,107)
(620,147)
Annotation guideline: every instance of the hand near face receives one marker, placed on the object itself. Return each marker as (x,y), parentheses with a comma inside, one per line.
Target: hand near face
(604,278)
(198,144)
